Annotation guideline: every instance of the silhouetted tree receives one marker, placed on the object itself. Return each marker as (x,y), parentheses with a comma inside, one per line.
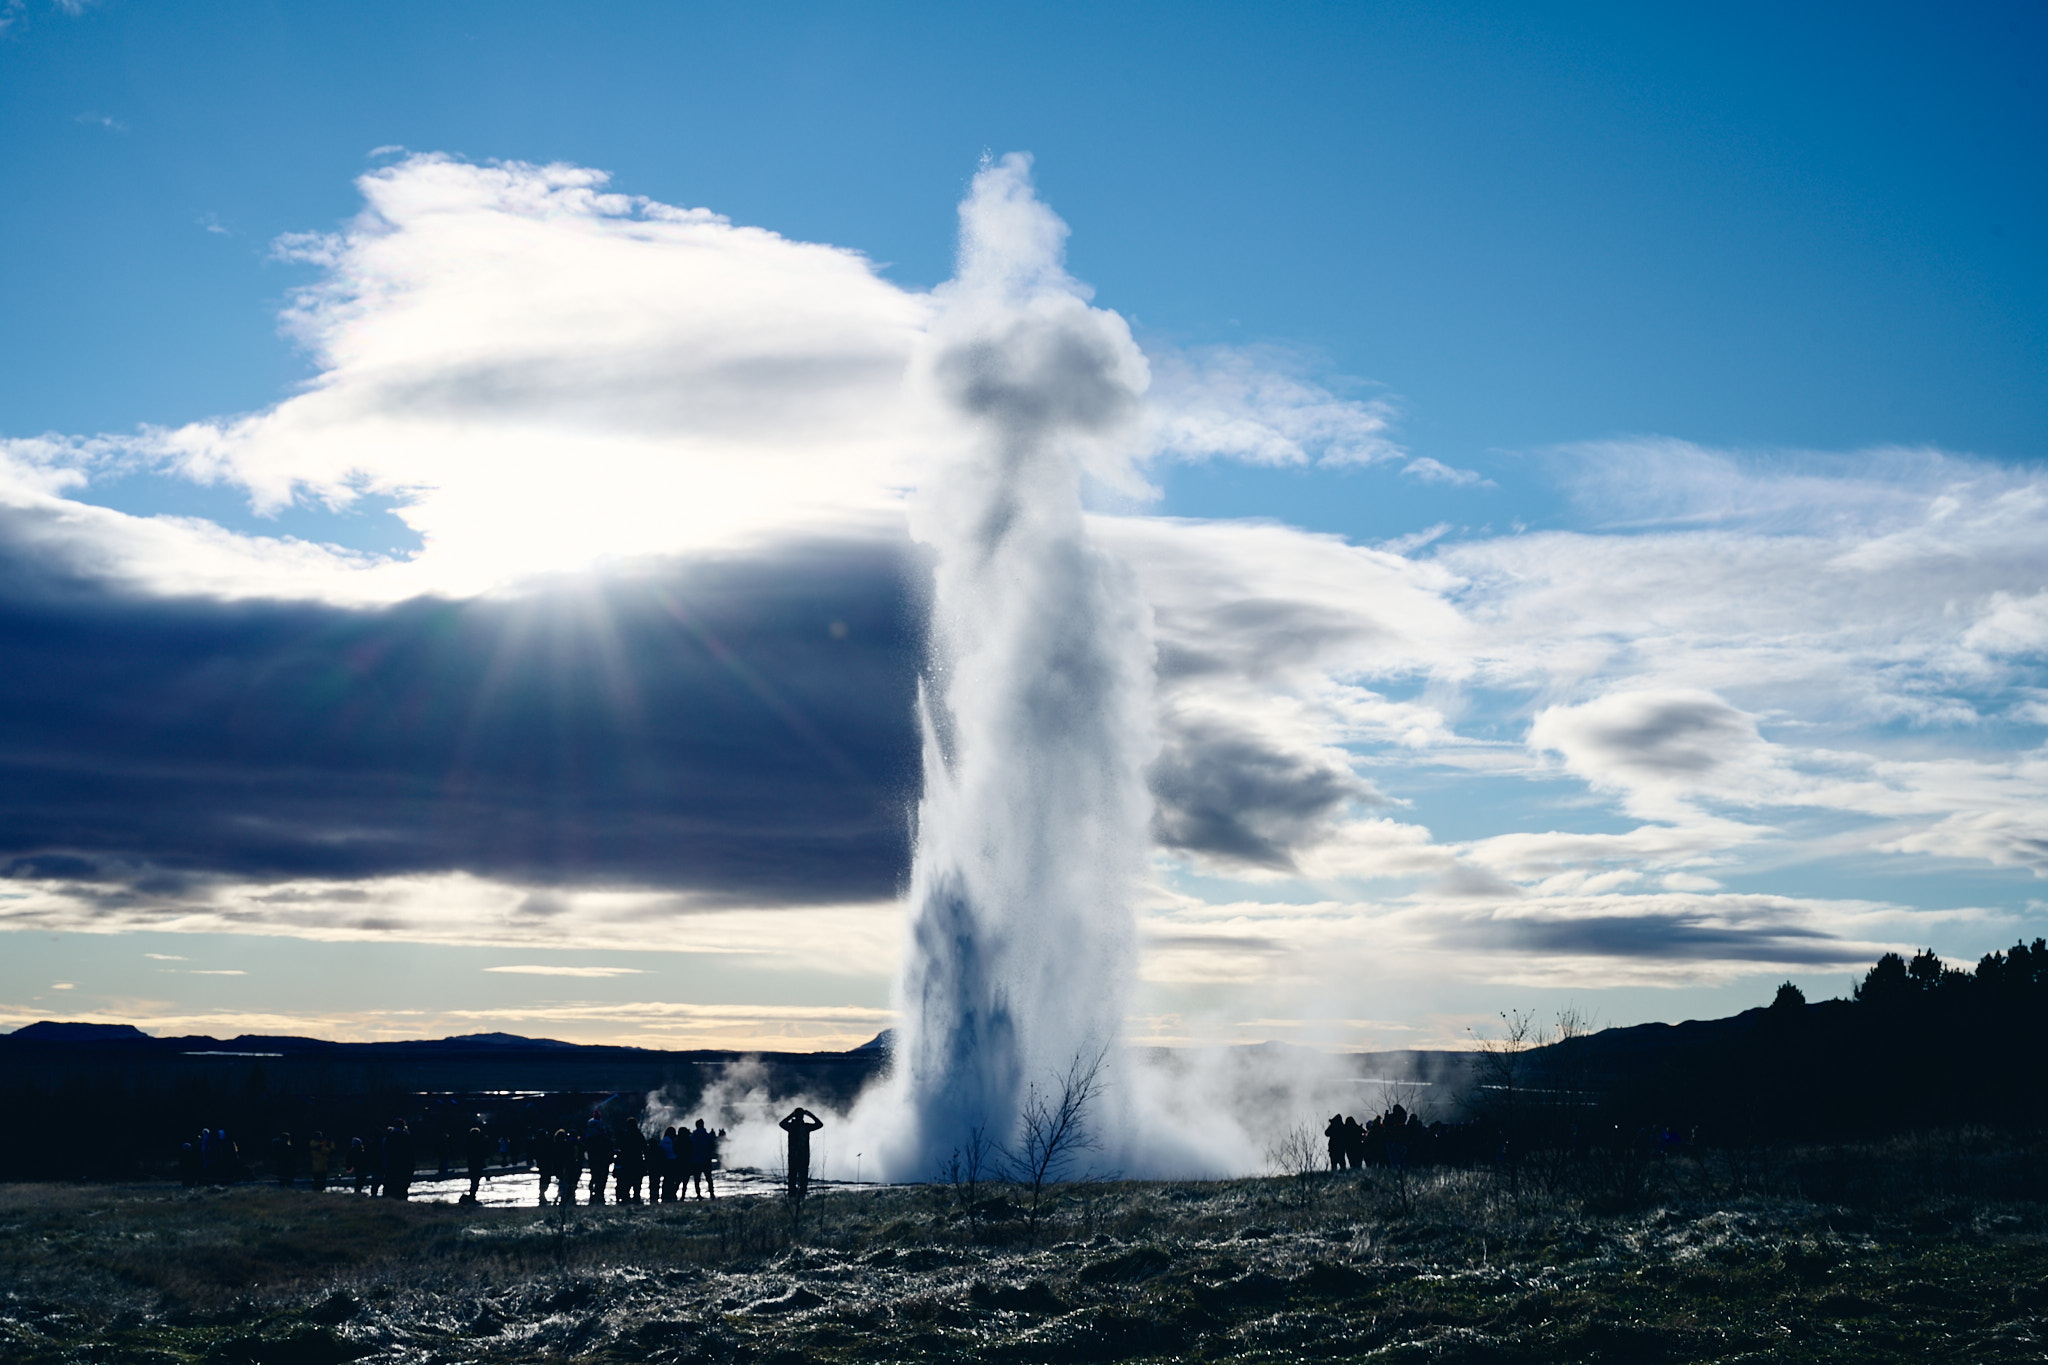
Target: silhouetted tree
(1886,983)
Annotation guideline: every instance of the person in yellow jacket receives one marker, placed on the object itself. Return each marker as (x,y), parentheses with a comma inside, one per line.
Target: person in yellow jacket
(319,1155)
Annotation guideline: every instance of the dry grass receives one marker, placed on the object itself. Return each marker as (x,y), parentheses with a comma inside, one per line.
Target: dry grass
(1727,1261)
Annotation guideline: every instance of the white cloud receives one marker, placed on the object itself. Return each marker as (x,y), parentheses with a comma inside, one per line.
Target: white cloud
(1257,404)
(1764,641)
(2011,625)
(1431,470)
(546,374)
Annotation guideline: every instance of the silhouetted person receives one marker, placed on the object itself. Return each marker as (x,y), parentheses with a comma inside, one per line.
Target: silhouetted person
(568,1163)
(626,1164)
(398,1161)
(597,1148)
(189,1165)
(477,1148)
(1333,1132)
(223,1160)
(800,1124)
(283,1159)
(686,1163)
(1397,1138)
(358,1162)
(1354,1144)
(671,1164)
(703,1144)
(543,1147)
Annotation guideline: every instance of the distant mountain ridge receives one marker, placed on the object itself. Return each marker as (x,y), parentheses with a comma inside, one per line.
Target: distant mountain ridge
(62,1031)
(53,1031)
(59,1031)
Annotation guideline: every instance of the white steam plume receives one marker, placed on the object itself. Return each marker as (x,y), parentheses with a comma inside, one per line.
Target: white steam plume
(1037,709)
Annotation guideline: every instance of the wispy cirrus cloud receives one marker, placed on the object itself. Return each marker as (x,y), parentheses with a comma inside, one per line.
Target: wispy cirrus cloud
(546,969)
(15,14)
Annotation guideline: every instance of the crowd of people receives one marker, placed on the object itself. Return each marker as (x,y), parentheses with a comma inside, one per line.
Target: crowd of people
(674,1164)
(1395,1139)
(385,1165)
(212,1158)
(670,1165)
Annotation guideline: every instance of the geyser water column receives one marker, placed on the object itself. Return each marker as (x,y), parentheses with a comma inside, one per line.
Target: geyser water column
(1031,837)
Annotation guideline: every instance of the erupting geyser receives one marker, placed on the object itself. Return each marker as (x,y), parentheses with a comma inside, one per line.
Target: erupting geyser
(1037,707)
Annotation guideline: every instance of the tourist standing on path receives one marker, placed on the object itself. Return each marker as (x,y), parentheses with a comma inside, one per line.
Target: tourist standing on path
(702,1147)
(477,1148)
(283,1159)
(398,1161)
(319,1156)
(626,1165)
(800,1124)
(597,1148)
(568,1164)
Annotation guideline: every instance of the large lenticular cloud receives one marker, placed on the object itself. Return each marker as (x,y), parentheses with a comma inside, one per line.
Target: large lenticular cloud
(1032,830)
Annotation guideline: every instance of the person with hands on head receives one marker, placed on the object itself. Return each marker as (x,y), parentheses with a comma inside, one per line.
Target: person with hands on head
(800,1124)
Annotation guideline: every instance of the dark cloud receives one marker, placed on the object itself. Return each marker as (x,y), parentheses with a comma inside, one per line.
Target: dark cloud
(1226,793)
(1251,637)
(1667,936)
(740,729)
(1247,944)
(700,727)
(1668,736)
(1465,880)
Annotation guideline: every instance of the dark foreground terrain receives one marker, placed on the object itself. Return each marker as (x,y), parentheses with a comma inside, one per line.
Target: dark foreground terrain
(1899,1252)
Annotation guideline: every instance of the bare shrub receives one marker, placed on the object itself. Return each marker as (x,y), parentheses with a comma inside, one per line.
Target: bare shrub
(1298,1152)
(970,1163)
(1054,1131)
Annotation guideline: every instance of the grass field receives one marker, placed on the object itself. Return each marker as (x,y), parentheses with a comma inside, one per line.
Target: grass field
(1907,1258)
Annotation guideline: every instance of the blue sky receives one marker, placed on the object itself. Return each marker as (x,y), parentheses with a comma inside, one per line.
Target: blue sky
(1722,301)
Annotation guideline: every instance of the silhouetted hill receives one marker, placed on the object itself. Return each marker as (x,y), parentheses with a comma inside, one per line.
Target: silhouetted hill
(1922,1045)
(51,1031)
(125,1096)
(502,1040)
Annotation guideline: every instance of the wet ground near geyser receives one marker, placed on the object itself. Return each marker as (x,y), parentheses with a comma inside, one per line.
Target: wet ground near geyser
(520,1188)
(1902,1262)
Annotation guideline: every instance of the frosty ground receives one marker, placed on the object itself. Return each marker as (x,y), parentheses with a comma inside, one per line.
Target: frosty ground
(1904,1251)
